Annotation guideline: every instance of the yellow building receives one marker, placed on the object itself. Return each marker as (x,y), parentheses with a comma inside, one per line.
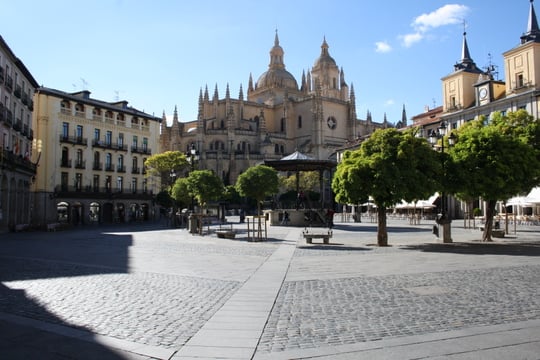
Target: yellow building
(280,115)
(469,92)
(91,167)
(17,88)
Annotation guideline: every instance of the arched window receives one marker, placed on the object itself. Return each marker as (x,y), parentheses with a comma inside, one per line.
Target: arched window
(276,149)
(65,157)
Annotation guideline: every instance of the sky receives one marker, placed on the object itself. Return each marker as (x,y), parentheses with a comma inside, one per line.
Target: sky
(159,54)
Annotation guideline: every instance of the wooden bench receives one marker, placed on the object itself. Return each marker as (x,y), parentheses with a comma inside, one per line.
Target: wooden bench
(226,234)
(310,236)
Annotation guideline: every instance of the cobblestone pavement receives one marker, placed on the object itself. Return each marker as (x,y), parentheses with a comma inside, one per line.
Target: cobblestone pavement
(154,287)
(317,313)
(160,287)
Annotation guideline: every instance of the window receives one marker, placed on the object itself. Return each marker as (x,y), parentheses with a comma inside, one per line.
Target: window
(97,135)
(119,183)
(65,130)
(299,121)
(108,138)
(121,163)
(145,186)
(145,144)
(78,182)
(96,183)
(135,165)
(79,133)
(135,142)
(519,80)
(79,160)
(108,183)
(108,161)
(282,126)
(134,185)
(65,157)
(120,140)
(64,181)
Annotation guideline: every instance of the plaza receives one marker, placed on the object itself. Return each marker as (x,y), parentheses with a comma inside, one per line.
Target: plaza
(145,291)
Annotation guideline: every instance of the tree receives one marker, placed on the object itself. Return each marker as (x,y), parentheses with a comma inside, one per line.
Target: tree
(497,160)
(390,166)
(180,192)
(257,183)
(205,186)
(162,164)
(308,181)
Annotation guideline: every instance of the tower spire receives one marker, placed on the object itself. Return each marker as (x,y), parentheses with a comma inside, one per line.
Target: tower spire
(533,32)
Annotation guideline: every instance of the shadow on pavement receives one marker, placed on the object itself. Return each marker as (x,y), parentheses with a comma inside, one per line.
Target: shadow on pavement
(27,257)
(521,249)
(332,246)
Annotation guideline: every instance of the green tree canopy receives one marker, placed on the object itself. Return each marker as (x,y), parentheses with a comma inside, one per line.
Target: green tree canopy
(257,183)
(161,165)
(180,192)
(308,181)
(390,166)
(205,186)
(497,160)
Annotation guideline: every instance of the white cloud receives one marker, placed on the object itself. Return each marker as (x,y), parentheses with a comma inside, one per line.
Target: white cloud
(446,15)
(389,102)
(410,39)
(382,47)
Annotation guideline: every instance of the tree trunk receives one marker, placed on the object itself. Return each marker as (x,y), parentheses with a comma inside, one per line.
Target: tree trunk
(490,212)
(382,232)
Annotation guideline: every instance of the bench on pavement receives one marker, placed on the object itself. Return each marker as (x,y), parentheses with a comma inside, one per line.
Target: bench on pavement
(226,234)
(309,236)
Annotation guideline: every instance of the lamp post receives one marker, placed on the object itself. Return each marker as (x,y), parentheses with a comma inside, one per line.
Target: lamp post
(192,156)
(444,218)
(172,175)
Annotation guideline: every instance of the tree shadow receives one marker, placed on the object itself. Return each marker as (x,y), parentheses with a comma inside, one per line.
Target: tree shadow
(489,248)
(333,247)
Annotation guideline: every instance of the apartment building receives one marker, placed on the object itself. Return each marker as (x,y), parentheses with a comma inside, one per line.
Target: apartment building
(92,161)
(17,88)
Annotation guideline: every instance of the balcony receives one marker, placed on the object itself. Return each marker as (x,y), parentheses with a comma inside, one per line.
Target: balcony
(109,167)
(9,117)
(18,91)
(25,130)
(75,140)
(17,126)
(97,165)
(80,164)
(65,163)
(136,170)
(121,169)
(1,74)
(24,98)
(140,150)
(9,84)
(30,135)
(95,192)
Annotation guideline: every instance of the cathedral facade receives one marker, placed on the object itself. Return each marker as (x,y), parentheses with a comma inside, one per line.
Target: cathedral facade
(279,115)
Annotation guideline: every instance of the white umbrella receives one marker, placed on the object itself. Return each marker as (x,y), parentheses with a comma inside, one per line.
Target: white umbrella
(534,196)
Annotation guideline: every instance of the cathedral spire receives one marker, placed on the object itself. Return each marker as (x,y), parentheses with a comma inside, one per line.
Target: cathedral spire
(533,32)
(404,117)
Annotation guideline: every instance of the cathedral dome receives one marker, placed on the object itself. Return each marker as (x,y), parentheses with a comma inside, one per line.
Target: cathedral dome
(325,59)
(277,75)
(277,78)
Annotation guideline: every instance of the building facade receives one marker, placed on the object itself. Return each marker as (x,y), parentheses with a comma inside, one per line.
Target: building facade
(17,88)
(469,91)
(92,159)
(280,115)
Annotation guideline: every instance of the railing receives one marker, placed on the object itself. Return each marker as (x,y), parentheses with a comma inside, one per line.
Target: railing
(121,169)
(97,166)
(101,192)
(65,111)
(109,167)
(10,160)
(135,170)
(80,114)
(140,150)
(65,163)
(78,140)
(17,91)
(80,164)
(9,83)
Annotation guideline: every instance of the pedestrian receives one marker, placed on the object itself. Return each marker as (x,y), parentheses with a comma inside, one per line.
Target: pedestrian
(330,218)
(285,220)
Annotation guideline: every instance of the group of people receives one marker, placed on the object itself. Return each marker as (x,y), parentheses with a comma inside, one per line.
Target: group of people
(329,218)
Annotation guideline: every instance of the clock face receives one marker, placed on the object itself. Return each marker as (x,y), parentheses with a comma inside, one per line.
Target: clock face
(331,122)
(483,93)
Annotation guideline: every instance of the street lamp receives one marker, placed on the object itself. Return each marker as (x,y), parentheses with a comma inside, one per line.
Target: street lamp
(192,156)
(172,175)
(444,217)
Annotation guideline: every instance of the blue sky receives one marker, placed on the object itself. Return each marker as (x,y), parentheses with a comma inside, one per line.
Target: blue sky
(159,54)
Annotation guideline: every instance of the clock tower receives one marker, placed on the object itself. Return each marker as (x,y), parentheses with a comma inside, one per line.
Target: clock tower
(458,87)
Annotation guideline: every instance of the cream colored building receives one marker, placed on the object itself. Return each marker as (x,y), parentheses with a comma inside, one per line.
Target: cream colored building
(17,88)
(91,168)
(279,115)
(470,91)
